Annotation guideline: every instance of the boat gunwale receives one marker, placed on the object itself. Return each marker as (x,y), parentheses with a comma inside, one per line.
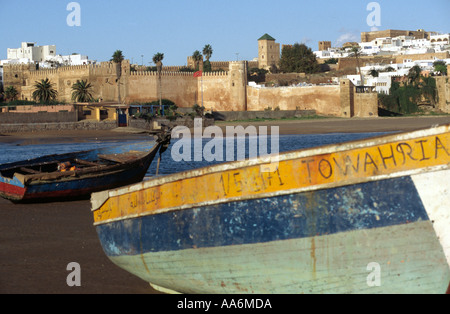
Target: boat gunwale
(283,156)
(272,194)
(99,198)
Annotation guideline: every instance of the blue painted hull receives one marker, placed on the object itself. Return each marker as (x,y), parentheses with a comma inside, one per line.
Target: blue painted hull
(79,184)
(369,216)
(355,213)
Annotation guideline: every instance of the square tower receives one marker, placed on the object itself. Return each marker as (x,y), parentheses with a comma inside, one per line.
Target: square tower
(324,45)
(268,52)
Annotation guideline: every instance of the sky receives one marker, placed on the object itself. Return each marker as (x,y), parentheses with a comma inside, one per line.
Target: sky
(177,28)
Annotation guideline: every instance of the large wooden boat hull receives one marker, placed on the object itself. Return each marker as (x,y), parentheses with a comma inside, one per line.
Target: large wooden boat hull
(369,216)
(129,165)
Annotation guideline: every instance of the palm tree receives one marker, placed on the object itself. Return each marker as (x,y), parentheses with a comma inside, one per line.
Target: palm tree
(44,91)
(11,93)
(117,58)
(356,53)
(81,91)
(157,59)
(207,52)
(197,56)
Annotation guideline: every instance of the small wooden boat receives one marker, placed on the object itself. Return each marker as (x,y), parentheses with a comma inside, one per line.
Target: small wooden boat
(76,175)
(369,216)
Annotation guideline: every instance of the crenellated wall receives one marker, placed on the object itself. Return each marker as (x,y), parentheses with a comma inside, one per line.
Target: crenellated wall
(218,91)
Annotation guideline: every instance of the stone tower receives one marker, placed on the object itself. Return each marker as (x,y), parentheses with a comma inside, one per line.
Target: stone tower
(238,85)
(268,52)
(324,45)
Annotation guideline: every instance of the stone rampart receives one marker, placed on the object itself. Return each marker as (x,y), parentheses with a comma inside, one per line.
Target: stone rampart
(218,91)
(323,99)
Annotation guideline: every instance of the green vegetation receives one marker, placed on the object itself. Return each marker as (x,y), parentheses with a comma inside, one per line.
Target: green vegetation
(257,75)
(197,111)
(82,91)
(356,52)
(298,58)
(404,98)
(332,61)
(44,91)
(440,66)
(11,93)
(170,110)
(117,58)
(207,52)
(197,57)
(157,59)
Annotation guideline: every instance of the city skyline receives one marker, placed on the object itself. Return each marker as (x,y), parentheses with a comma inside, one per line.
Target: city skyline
(178,28)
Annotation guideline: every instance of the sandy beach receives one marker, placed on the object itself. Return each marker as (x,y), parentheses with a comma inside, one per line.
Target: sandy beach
(38,241)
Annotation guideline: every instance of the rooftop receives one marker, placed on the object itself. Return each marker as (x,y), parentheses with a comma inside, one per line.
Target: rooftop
(266,37)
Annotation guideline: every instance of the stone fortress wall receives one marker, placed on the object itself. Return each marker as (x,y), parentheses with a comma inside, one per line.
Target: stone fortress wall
(218,91)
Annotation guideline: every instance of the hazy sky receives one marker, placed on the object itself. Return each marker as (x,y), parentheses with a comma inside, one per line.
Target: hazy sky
(179,27)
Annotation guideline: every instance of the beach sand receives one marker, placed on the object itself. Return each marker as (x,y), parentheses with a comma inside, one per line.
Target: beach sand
(38,241)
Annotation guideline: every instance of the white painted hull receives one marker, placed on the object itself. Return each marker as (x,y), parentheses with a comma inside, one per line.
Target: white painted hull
(335,263)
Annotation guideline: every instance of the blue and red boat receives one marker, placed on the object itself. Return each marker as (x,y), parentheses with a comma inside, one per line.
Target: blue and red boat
(76,175)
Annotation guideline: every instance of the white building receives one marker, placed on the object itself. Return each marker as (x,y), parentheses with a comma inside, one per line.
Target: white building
(441,39)
(32,52)
(331,53)
(74,59)
(45,56)
(404,45)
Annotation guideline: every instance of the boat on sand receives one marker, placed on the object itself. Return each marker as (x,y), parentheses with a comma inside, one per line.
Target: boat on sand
(368,216)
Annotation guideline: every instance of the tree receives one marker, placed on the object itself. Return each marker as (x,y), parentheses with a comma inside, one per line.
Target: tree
(440,66)
(11,93)
(298,58)
(207,52)
(197,56)
(117,58)
(44,91)
(332,61)
(157,59)
(414,74)
(356,51)
(81,91)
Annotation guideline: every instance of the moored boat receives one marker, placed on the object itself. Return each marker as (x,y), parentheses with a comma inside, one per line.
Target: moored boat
(368,216)
(76,175)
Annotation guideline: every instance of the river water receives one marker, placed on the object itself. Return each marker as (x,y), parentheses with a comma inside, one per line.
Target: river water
(16,152)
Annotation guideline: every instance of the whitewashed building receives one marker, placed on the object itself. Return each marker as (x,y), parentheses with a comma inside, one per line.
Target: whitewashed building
(44,56)
(29,50)
(73,59)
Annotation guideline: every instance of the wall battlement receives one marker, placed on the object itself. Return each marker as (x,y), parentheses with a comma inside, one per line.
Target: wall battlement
(218,90)
(43,72)
(167,73)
